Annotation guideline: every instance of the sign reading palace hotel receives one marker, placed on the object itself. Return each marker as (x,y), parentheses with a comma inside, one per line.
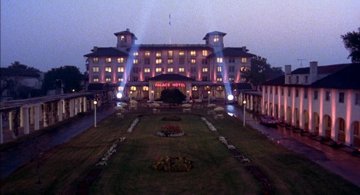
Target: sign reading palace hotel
(169,84)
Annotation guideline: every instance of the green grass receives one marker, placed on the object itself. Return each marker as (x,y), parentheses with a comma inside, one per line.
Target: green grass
(215,170)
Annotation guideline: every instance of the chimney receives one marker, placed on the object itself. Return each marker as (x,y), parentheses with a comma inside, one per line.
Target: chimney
(313,71)
(287,74)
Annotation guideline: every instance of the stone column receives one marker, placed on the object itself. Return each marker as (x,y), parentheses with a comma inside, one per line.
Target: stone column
(71,107)
(11,122)
(60,110)
(84,104)
(45,122)
(26,119)
(37,117)
(1,129)
(21,118)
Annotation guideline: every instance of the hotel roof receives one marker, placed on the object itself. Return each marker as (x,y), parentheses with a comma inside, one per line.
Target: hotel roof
(106,51)
(321,69)
(173,46)
(232,52)
(214,33)
(170,77)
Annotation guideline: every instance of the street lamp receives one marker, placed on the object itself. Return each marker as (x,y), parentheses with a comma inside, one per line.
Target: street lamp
(208,97)
(244,103)
(95,104)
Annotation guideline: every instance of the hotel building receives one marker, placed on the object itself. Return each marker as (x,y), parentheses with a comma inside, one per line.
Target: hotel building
(324,100)
(142,71)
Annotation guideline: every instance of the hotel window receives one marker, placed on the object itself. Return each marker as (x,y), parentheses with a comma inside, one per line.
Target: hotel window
(282,91)
(204,78)
(341,97)
(271,89)
(108,79)
(147,61)
(305,93)
(243,60)
(219,60)
(170,61)
(136,70)
(316,94)
(147,53)
(96,80)
(219,69)
(181,53)
(203,61)
(136,53)
(181,60)
(205,53)
(243,69)
(193,69)
(95,60)
(218,79)
(289,92)
(120,79)
(120,69)
(135,78)
(181,69)
(193,53)
(297,79)
(327,95)
(216,38)
(276,90)
(231,68)
(204,69)
(95,69)
(122,38)
(136,61)
(170,53)
(193,61)
(231,79)
(145,88)
(296,92)
(194,88)
(147,78)
(133,88)
(158,69)
(357,99)
(158,61)
(146,70)
(158,54)
(357,129)
(120,60)
(306,79)
(231,60)
(266,89)
(108,69)
(170,70)
(107,60)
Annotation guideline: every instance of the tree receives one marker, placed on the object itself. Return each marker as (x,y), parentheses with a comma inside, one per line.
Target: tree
(68,77)
(352,43)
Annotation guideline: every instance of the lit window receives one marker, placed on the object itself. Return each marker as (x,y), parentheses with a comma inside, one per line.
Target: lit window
(193,53)
(243,60)
(96,79)
(120,69)
(204,69)
(219,60)
(158,69)
(136,61)
(204,52)
(170,69)
(147,53)
(120,79)
(231,79)
(145,88)
(181,53)
(219,69)
(158,61)
(243,69)
(170,61)
(107,79)
(216,38)
(219,79)
(133,88)
(194,88)
(108,69)
(193,61)
(120,60)
(122,38)
(107,60)
(136,53)
(95,60)
(158,54)
(181,69)
(95,69)
(147,70)
(170,53)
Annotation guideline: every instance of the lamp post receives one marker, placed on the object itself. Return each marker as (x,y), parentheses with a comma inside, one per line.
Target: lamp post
(244,103)
(208,97)
(95,104)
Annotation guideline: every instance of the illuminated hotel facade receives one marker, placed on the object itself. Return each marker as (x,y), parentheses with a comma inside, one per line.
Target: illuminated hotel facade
(142,70)
(323,100)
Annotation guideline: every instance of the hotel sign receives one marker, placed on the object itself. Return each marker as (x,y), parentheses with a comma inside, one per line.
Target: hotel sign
(169,84)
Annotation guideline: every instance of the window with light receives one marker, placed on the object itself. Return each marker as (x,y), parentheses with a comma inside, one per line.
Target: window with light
(120,79)
(95,60)
(120,69)
(145,88)
(219,68)
(107,79)
(96,80)
(133,88)
(219,79)
(136,61)
(205,53)
(204,69)
(108,69)
(95,69)
(170,53)
(107,60)
(181,53)
(158,61)
(170,70)
(147,53)
(243,60)
(170,61)
(158,69)
(181,69)
(193,53)
(146,70)
(120,60)
(193,61)
(216,38)
(158,54)
(219,60)
(136,53)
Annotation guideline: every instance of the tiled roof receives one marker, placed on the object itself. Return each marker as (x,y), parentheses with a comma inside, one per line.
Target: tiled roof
(232,52)
(127,32)
(241,86)
(321,69)
(346,78)
(214,33)
(106,52)
(276,81)
(170,77)
(173,46)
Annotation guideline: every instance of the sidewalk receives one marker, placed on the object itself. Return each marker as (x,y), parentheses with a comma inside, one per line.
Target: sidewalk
(334,160)
(13,157)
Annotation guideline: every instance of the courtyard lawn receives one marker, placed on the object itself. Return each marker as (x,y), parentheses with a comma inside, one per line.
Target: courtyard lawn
(214,171)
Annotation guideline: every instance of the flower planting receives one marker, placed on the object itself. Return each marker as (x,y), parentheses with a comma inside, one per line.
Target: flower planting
(173,164)
(171,118)
(170,131)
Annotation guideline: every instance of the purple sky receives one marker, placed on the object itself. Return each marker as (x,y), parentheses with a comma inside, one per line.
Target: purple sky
(47,34)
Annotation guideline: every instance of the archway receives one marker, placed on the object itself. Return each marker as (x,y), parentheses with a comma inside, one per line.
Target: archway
(265,108)
(289,115)
(282,114)
(327,125)
(297,118)
(276,111)
(340,129)
(355,127)
(305,120)
(316,123)
(270,109)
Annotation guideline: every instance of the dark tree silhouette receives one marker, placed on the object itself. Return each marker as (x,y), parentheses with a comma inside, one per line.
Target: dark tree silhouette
(352,43)
(172,96)
(69,77)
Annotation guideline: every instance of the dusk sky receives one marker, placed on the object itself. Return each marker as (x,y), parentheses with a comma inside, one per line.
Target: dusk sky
(48,34)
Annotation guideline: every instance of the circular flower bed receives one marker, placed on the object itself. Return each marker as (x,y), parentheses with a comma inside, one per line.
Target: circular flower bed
(170,131)
(171,118)
(173,164)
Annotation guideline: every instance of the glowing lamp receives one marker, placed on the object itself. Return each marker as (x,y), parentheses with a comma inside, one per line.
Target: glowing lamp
(230,97)
(119,95)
